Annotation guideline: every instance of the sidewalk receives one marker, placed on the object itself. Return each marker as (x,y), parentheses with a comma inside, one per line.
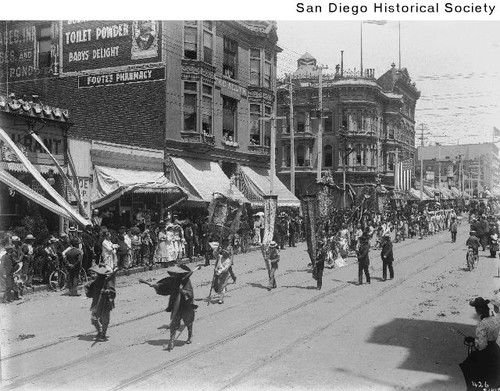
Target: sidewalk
(137,269)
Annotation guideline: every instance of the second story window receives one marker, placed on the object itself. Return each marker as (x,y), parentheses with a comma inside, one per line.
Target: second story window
(301,122)
(44,45)
(190,39)
(254,124)
(255,67)
(190,106)
(267,126)
(229,110)
(207,110)
(230,64)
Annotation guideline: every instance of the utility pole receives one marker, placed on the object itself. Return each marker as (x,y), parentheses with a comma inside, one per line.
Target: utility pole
(292,141)
(396,169)
(272,170)
(439,168)
(422,128)
(320,125)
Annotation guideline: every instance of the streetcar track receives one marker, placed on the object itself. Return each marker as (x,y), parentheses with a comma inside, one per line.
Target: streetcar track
(201,350)
(171,363)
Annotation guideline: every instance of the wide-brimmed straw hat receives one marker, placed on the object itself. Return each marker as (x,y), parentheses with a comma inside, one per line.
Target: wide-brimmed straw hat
(178,270)
(273,244)
(102,268)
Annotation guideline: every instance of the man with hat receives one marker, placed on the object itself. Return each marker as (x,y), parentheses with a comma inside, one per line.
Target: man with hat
(363,259)
(103,293)
(319,264)
(28,257)
(387,257)
(7,266)
(224,260)
(453,229)
(273,257)
(73,257)
(88,242)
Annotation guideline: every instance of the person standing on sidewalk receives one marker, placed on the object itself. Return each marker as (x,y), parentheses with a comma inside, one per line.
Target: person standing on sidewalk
(363,259)
(7,268)
(387,257)
(224,260)
(453,229)
(73,258)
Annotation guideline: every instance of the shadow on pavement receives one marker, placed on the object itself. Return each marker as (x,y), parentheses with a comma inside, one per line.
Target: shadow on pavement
(432,347)
(257,285)
(299,287)
(87,337)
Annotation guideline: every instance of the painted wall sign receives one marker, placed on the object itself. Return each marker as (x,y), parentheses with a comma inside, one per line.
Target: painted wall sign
(231,89)
(53,140)
(100,44)
(124,77)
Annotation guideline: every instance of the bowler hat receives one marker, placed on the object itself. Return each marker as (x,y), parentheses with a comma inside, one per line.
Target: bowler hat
(29,237)
(273,244)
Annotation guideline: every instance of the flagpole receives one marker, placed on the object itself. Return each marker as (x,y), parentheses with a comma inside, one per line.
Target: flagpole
(399,42)
(361,72)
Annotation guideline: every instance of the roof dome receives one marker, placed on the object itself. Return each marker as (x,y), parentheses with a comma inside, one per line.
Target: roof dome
(306,65)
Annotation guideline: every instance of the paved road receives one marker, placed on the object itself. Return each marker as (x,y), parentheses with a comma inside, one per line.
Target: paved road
(391,335)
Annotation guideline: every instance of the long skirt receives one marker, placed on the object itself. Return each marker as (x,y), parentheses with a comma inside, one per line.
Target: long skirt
(481,368)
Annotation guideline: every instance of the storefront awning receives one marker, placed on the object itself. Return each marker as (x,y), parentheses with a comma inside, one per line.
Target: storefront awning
(28,192)
(111,183)
(20,167)
(203,178)
(416,193)
(256,183)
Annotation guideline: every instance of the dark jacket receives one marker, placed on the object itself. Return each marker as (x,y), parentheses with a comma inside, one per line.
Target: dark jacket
(386,253)
(363,250)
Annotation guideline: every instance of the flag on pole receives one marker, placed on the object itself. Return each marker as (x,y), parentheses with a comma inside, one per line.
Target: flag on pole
(403,175)
(496,132)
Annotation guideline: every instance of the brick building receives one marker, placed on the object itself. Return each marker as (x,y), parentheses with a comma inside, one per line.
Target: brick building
(184,97)
(369,123)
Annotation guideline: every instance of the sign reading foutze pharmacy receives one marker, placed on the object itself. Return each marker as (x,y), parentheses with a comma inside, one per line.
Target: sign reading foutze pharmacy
(89,45)
(124,77)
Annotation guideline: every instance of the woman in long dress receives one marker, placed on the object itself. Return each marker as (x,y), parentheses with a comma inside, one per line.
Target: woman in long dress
(109,251)
(161,253)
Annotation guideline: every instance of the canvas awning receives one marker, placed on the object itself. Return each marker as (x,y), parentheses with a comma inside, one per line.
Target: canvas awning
(20,167)
(111,183)
(28,192)
(203,178)
(455,192)
(416,193)
(256,183)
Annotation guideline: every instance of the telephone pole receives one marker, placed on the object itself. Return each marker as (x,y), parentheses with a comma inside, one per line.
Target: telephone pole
(272,170)
(320,125)
(292,140)
(422,128)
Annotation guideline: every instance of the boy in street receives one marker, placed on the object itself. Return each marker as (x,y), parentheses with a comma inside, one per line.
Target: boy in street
(453,229)
(273,257)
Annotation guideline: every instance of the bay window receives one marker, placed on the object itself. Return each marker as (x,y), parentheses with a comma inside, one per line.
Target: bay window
(255,124)
(255,67)
(230,62)
(191,39)
(229,110)
(190,106)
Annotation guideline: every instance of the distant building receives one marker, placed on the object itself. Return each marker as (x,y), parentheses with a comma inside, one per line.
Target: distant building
(472,168)
(368,125)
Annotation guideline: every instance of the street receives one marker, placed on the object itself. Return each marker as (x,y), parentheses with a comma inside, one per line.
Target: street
(392,335)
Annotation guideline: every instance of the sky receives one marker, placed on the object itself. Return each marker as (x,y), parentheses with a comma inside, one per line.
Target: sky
(455,65)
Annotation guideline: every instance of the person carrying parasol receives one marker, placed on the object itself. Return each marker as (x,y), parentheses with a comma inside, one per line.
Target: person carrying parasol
(178,286)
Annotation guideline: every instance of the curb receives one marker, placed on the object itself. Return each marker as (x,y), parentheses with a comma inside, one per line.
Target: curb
(135,270)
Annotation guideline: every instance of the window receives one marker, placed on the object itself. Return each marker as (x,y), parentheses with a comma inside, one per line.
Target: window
(207,46)
(390,161)
(190,104)
(190,39)
(254,124)
(267,70)
(286,155)
(391,132)
(345,120)
(229,110)
(328,155)
(267,126)
(206,110)
(230,64)
(301,122)
(44,45)
(255,67)
(328,124)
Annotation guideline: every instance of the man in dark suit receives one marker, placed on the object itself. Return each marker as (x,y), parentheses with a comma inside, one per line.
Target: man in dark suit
(387,257)
(363,259)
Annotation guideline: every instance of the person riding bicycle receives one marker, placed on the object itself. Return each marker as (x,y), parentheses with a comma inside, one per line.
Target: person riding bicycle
(473,242)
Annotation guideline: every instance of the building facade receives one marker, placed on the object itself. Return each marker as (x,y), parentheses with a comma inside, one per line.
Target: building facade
(136,90)
(368,125)
(473,168)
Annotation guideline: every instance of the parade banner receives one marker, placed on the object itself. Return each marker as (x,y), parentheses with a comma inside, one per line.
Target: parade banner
(270,208)
(309,209)
(224,215)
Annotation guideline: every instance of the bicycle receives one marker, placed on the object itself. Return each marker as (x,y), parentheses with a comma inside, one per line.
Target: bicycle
(58,279)
(471,258)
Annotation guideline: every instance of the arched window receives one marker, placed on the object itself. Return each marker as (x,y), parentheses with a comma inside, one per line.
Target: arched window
(328,154)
